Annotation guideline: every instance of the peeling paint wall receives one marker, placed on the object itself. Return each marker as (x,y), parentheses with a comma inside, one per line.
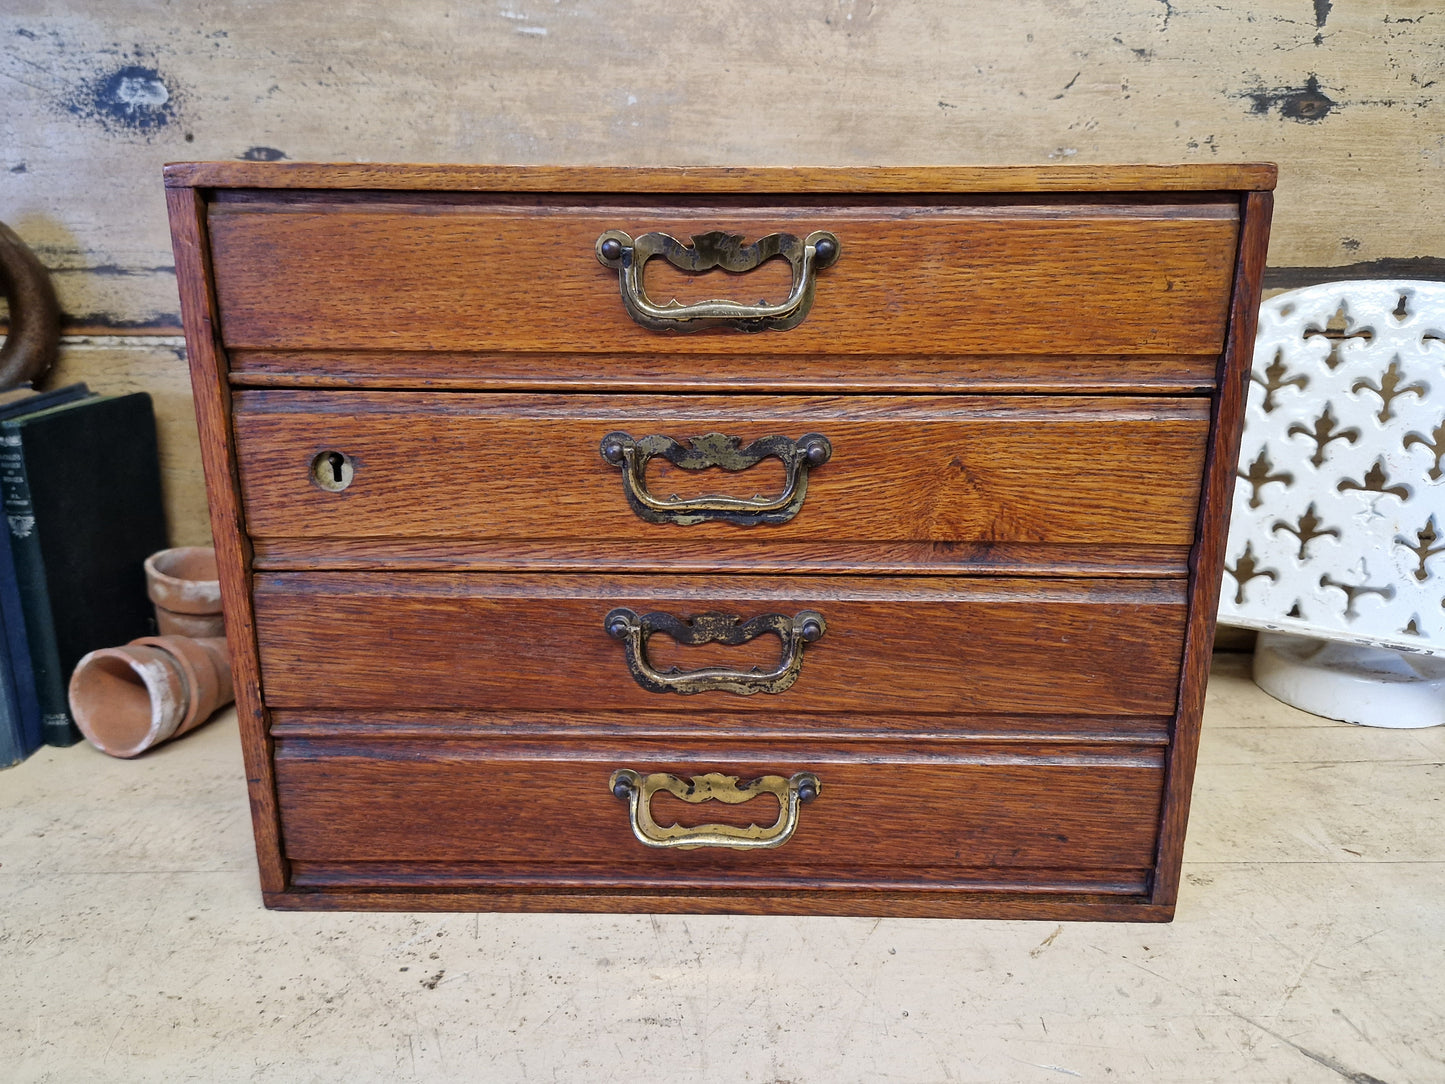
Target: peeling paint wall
(96,95)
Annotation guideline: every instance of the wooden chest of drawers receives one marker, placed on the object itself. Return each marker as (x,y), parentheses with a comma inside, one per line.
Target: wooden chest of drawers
(550,587)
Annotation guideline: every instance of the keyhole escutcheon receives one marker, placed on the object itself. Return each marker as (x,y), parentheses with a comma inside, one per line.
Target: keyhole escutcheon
(332,471)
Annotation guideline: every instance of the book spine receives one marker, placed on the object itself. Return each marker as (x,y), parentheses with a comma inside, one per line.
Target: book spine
(18,675)
(13,747)
(57,728)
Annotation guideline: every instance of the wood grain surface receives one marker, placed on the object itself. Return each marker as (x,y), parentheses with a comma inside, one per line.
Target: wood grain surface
(233,548)
(1041,901)
(820,373)
(1032,720)
(929,644)
(758,555)
(1208,559)
(517,277)
(449,467)
(1131,735)
(653,180)
(547,810)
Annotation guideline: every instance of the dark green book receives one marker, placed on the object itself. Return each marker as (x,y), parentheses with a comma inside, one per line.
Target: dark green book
(81,484)
(20,733)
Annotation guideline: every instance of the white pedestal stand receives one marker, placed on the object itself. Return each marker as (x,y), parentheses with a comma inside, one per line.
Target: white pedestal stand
(1376,686)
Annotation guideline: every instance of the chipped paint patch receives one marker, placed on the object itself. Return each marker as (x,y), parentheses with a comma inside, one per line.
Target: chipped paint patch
(262,154)
(134,98)
(1307,104)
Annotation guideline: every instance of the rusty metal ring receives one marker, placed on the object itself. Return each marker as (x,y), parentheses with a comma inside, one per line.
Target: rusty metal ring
(33,341)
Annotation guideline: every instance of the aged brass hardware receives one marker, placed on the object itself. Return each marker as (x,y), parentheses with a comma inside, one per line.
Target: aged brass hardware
(807,256)
(633,630)
(637,790)
(715,450)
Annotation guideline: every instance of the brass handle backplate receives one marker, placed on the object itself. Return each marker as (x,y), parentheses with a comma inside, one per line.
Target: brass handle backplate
(634,629)
(637,790)
(806,256)
(715,450)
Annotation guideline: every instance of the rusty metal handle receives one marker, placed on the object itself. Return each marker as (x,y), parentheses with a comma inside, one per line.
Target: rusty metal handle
(637,790)
(634,629)
(807,256)
(715,450)
(33,341)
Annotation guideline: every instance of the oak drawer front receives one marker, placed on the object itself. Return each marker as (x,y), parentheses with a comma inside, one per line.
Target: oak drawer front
(453,467)
(941,277)
(395,812)
(887,645)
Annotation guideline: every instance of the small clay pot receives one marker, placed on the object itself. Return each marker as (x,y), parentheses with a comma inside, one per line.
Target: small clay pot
(183,585)
(127,699)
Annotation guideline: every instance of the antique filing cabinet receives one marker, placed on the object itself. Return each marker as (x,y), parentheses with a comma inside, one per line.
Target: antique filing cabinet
(813,541)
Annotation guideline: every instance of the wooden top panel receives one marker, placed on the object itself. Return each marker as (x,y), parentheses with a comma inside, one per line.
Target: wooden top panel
(465,178)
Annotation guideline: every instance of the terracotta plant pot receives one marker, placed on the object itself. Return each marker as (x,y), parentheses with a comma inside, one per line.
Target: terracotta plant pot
(127,699)
(187,595)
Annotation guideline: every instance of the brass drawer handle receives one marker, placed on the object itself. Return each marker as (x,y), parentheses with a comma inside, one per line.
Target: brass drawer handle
(637,790)
(715,450)
(806,256)
(633,630)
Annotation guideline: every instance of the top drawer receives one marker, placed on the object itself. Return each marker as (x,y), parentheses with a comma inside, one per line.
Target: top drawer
(1044,288)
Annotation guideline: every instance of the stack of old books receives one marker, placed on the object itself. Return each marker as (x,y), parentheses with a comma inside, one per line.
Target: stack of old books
(81,484)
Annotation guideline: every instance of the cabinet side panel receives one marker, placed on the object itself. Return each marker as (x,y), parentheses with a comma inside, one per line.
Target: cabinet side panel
(1208,562)
(233,550)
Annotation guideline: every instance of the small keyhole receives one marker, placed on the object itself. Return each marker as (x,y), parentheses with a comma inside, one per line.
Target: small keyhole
(332,471)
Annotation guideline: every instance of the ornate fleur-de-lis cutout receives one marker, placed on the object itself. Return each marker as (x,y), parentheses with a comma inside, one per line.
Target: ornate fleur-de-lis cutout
(1247,568)
(1413,628)
(1389,389)
(1338,323)
(1338,330)
(1402,310)
(1353,591)
(1423,546)
(1259,476)
(1323,433)
(1375,479)
(1436,444)
(1306,530)
(1274,379)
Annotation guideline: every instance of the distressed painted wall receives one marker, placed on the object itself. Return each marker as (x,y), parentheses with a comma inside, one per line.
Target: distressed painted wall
(97,94)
